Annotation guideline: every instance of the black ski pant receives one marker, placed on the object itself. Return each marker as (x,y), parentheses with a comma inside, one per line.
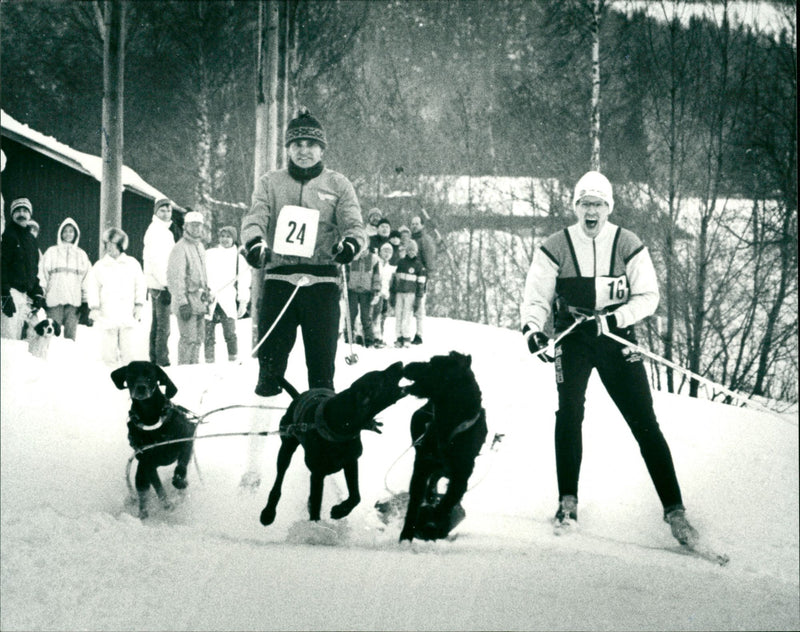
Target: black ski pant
(315,310)
(624,377)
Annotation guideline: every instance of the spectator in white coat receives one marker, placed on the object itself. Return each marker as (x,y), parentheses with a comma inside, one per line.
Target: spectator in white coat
(229,280)
(116,291)
(158,243)
(63,270)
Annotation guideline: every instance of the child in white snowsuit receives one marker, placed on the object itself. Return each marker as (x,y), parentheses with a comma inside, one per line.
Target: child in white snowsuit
(383,273)
(116,292)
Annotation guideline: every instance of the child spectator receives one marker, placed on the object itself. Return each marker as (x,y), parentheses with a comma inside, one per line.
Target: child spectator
(63,270)
(398,251)
(382,275)
(408,290)
(359,295)
(116,291)
(229,280)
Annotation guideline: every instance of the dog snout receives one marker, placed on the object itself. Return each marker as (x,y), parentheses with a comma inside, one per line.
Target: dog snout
(141,390)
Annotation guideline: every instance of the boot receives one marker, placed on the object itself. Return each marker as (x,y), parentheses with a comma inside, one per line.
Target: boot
(267,385)
(682,531)
(566,518)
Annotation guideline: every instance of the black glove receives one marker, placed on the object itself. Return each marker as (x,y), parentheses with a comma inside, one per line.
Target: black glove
(9,309)
(605,323)
(185,311)
(164,297)
(37,299)
(345,251)
(537,343)
(83,314)
(257,253)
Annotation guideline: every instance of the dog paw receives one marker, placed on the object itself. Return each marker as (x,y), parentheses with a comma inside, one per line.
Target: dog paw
(179,482)
(267,516)
(143,513)
(342,509)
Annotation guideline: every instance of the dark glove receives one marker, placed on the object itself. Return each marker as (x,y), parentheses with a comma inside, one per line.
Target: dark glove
(83,314)
(37,299)
(537,343)
(605,323)
(345,251)
(257,253)
(185,311)
(9,309)
(164,297)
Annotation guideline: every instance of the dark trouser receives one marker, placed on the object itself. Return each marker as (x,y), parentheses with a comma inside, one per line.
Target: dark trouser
(315,309)
(66,316)
(228,331)
(361,300)
(159,329)
(624,377)
(379,311)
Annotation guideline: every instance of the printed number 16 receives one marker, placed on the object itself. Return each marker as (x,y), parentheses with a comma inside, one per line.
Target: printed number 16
(617,289)
(296,234)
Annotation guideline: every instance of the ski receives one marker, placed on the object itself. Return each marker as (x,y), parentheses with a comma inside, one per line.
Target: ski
(703,553)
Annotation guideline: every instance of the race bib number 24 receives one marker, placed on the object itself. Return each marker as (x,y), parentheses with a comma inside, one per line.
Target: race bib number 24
(296,231)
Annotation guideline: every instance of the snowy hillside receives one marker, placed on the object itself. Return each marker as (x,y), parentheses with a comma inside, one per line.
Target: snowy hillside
(74,556)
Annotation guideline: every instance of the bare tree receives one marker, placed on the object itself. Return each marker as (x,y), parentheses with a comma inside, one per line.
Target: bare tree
(111,21)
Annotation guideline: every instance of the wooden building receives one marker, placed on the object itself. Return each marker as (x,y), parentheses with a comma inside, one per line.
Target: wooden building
(62,182)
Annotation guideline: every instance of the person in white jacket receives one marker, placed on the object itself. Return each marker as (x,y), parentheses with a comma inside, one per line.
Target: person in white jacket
(116,293)
(158,244)
(63,269)
(603,273)
(229,280)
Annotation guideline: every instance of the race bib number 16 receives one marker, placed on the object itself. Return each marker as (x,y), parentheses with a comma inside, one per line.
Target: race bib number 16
(296,231)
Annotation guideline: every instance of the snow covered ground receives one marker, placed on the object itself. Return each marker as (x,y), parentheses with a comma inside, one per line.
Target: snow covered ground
(74,557)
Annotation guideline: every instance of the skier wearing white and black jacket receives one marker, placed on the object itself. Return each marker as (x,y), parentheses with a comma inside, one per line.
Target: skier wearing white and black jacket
(597,269)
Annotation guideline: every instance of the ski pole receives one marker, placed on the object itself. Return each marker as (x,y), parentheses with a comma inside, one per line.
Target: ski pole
(737,396)
(352,358)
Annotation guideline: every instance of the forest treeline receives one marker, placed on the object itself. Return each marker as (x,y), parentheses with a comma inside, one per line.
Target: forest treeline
(694,113)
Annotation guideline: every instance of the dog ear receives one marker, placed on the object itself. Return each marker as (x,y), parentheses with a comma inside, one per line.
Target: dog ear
(163,378)
(461,359)
(56,328)
(118,376)
(39,327)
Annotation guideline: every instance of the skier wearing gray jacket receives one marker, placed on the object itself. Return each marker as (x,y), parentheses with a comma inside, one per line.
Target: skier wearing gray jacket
(597,269)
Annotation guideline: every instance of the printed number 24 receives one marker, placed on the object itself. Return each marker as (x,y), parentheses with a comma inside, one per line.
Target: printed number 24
(297,234)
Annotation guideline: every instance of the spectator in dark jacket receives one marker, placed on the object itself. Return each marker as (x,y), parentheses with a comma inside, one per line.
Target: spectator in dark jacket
(21,291)
(408,289)
(427,254)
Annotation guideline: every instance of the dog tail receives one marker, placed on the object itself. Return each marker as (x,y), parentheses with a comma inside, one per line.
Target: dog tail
(293,392)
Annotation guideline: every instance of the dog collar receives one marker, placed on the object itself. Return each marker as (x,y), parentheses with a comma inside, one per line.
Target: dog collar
(162,418)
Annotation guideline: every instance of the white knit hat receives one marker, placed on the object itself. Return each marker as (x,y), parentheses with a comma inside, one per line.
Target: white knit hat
(193,216)
(594,184)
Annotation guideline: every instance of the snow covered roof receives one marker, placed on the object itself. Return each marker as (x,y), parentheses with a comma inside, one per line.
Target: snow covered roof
(85,163)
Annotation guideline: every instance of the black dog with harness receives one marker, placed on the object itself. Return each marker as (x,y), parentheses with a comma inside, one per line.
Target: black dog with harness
(328,425)
(153,419)
(448,432)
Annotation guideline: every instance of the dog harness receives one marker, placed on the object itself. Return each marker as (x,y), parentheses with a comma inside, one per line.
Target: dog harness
(140,433)
(308,415)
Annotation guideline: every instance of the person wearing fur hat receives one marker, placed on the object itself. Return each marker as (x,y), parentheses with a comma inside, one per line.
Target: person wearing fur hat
(64,268)
(159,240)
(374,216)
(305,222)
(229,279)
(116,292)
(598,270)
(19,270)
(187,281)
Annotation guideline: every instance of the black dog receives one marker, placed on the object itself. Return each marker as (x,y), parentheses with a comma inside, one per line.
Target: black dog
(448,432)
(328,426)
(153,418)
